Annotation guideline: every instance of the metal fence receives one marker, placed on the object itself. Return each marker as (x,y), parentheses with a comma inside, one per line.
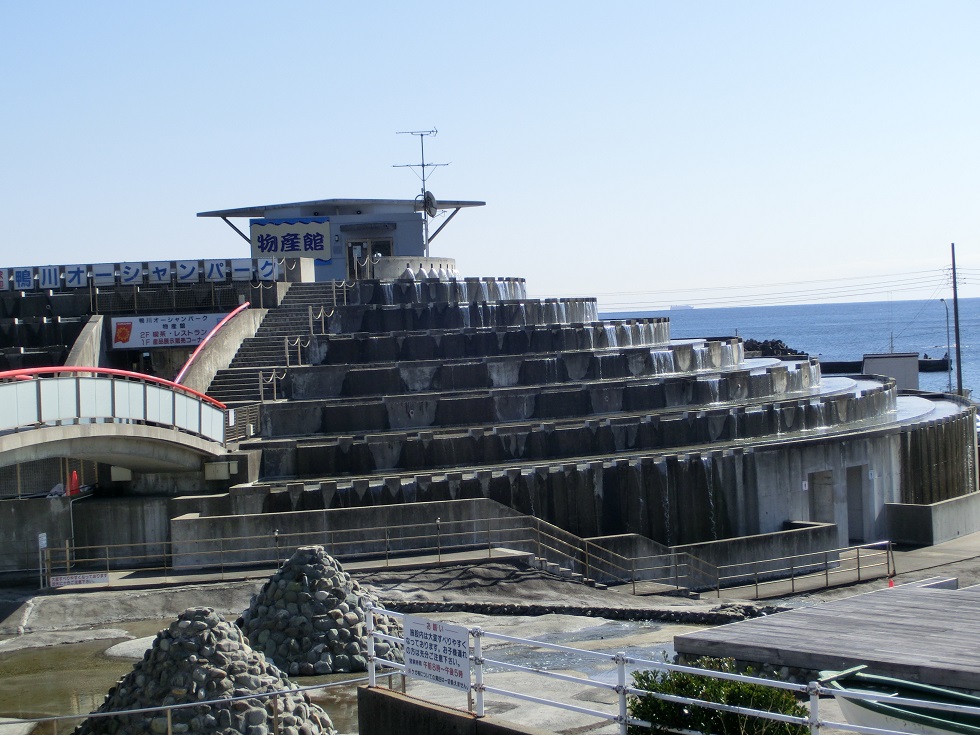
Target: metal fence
(551,548)
(482,674)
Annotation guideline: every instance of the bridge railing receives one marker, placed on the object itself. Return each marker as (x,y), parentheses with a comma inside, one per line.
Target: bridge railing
(58,396)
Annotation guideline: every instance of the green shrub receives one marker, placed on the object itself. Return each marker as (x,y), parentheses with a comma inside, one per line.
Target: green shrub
(666,716)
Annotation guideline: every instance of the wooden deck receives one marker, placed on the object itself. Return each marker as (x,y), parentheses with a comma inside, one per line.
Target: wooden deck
(912,632)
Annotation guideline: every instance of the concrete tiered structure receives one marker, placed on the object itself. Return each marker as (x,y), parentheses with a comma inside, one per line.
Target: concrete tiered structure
(417,385)
(451,389)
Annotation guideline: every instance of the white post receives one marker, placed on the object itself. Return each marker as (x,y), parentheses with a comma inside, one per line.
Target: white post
(620,660)
(478,663)
(369,625)
(813,689)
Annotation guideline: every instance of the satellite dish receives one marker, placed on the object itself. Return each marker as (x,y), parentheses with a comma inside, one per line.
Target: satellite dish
(431,208)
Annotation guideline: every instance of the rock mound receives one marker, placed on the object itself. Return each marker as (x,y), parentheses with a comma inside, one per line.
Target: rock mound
(309,618)
(202,657)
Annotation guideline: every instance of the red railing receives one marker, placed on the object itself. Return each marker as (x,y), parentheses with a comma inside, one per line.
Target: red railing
(207,338)
(30,373)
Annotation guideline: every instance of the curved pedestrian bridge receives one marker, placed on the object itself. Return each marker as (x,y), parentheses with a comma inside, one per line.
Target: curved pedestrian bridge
(113,416)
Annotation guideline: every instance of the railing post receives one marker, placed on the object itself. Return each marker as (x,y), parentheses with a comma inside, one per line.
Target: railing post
(633,573)
(439,538)
(478,665)
(858,550)
(489,538)
(588,565)
(792,574)
(369,630)
(170,721)
(826,568)
(261,387)
(755,566)
(387,545)
(813,689)
(275,714)
(310,314)
(889,560)
(620,660)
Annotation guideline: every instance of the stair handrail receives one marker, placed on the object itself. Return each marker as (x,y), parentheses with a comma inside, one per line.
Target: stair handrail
(273,380)
(322,315)
(299,344)
(207,338)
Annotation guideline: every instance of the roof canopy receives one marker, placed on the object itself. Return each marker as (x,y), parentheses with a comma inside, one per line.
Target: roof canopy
(327,207)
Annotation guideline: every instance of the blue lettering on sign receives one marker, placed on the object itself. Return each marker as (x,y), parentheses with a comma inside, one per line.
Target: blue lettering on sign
(47,276)
(131,272)
(268,243)
(216,270)
(313,241)
(187,271)
(266,270)
(75,276)
(289,242)
(23,279)
(160,271)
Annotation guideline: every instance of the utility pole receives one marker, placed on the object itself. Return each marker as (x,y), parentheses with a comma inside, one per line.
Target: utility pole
(956,326)
(424,202)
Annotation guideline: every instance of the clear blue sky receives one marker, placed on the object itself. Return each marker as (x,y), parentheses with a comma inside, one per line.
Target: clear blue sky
(629,150)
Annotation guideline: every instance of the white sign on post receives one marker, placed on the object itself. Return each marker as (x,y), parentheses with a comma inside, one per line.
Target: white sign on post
(437,652)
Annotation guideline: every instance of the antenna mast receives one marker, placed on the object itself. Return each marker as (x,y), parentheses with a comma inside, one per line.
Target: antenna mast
(425,201)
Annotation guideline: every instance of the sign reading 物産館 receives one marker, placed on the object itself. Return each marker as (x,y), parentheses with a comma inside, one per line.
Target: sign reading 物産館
(162,330)
(437,652)
(301,237)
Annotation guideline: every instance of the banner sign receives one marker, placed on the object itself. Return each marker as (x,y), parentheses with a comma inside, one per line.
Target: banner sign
(163,330)
(303,237)
(437,652)
(154,272)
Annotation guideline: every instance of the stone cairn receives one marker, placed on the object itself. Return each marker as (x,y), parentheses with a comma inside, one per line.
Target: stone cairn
(309,618)
(199,658)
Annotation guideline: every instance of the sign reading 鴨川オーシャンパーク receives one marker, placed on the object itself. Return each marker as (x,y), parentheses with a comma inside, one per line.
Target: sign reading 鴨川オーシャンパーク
(140,273)
(163,330)
(301,237)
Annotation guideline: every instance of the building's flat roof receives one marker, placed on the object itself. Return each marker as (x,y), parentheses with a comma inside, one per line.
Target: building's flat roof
(332,206)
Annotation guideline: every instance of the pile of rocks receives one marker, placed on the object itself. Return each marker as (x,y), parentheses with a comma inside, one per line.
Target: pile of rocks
(199,658)
(309,618)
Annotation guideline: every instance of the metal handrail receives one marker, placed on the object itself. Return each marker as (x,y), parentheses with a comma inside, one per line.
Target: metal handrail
(235,554)
(483,665)
(39,372)
(207,338)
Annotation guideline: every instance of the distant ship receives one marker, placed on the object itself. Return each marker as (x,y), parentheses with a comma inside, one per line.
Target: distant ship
(680,306)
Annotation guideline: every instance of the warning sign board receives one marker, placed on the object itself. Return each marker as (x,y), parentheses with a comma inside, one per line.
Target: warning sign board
(68,580)
(437,652)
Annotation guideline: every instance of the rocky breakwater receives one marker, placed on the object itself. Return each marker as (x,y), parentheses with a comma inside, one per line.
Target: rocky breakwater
(205,662)
(310,618)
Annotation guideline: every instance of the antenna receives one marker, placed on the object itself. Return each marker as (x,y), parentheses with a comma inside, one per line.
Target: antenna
(425,202)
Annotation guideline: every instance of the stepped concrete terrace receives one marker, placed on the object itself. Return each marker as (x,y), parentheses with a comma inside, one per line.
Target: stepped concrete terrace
(440,390)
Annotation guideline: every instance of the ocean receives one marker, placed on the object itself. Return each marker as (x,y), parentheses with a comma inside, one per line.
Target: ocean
(836,331)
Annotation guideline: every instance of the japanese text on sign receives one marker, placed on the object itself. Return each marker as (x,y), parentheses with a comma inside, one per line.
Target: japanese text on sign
(437,652)
(163,330)
(68,580)
(304,237)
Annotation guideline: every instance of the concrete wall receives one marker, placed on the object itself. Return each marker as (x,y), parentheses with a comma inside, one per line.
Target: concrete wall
(744,551)
(342,531)
(925,525)
(386,712)
(89,349)
(221,350)
(22,521)
(903,366)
